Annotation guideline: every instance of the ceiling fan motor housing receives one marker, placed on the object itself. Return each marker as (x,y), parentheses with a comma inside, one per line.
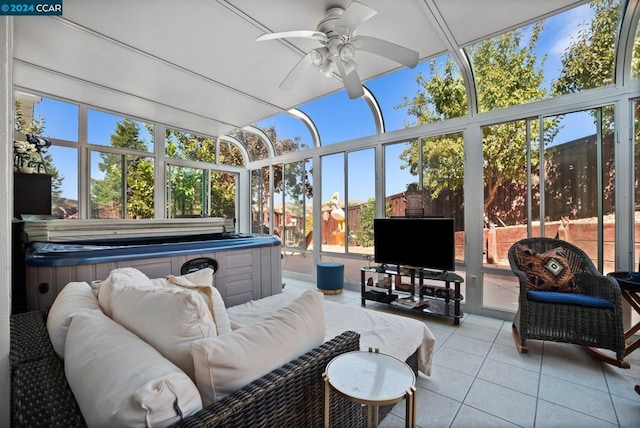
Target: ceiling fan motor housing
(328,23)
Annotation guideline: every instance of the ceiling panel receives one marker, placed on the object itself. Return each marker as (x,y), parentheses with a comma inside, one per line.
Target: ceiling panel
(485,17)
(199,58)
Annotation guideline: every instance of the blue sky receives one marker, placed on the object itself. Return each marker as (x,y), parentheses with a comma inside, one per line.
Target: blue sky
(337,118)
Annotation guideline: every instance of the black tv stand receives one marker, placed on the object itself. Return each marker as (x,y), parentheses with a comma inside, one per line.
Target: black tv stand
(430,299)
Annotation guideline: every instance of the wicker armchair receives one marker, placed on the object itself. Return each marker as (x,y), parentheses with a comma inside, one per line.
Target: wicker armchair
(593,328)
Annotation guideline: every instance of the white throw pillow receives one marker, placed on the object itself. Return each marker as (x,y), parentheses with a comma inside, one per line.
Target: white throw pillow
(119,380)
(74,297)
(202,278)
(167,318)
(121,277)
(226,363)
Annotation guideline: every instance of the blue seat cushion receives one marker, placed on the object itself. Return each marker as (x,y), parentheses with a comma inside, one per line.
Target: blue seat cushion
(569,298)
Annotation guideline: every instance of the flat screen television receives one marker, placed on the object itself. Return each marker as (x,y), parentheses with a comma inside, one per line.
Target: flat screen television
(415,242)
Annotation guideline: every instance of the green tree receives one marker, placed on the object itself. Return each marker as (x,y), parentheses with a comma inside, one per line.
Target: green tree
(507,72)
(108,191)
(368,213)
(588,61)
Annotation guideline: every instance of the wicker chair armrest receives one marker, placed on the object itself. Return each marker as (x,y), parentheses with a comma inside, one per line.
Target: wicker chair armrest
(598,285)
(288,396)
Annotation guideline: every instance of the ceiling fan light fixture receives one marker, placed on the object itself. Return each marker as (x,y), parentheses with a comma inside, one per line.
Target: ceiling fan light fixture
(318,56)
(347,52)
(327,67)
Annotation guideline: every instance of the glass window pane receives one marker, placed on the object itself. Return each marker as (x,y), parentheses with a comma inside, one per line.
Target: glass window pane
(398,177)
(230,154)
(576,159)
(185,196)
(505,157)
(442,181)
(140,187)
(260,200)
(506,152)
(430,92)
(106,187)
(308,205)
(62,164)
(278,200)
(361,205)
(340,119)
(253,143)
(108,129)
(294,192)
(333,206)
(292,134)
(59,119)
(223,194)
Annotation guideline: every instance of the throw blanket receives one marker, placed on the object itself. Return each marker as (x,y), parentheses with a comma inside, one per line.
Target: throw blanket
(392,334)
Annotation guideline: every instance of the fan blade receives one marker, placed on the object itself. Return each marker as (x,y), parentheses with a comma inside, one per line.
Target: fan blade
(307,34)
(354,15)
(397,53)
(351,81)
(294,74)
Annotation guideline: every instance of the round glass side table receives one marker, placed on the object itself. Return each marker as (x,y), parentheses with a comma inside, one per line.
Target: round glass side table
(372,379)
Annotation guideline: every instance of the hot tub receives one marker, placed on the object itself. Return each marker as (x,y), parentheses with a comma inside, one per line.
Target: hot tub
(249,266)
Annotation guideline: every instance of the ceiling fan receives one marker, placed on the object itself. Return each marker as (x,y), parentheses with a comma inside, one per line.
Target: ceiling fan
(336,32)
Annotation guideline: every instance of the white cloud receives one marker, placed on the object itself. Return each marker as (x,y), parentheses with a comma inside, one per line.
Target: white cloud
(567,25)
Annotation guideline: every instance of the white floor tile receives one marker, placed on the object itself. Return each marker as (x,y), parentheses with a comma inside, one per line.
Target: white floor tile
(468,417)
(468,344)
(456,360)
(510,355)
(488,334)
(577,397)
(552,415)
(501,402)
(449,383)
(628,412)
(572,363)
(516,378)
(433,410)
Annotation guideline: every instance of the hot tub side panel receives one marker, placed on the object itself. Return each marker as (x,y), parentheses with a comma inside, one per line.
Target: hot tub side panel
(243,274)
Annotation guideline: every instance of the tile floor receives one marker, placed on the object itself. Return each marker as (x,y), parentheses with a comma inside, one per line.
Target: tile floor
(480,380)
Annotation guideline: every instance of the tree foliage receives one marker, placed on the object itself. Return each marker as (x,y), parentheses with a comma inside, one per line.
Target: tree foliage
(107,192)
(588,61)
(507,72)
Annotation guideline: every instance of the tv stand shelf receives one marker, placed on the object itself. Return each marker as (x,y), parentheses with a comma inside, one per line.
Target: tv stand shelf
(430,299)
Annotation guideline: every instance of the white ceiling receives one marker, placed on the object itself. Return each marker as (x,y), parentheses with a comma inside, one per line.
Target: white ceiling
(195,64)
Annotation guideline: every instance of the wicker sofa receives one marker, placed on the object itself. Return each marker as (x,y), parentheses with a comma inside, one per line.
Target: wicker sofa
(288,396)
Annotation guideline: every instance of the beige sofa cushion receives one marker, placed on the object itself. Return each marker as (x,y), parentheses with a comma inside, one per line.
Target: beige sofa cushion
(201,281)
(226,363)
(119,380)
(74,297)
(167,318)
(121,277)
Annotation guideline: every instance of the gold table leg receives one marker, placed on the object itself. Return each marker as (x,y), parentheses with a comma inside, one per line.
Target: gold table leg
(410,414)
(325,396)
